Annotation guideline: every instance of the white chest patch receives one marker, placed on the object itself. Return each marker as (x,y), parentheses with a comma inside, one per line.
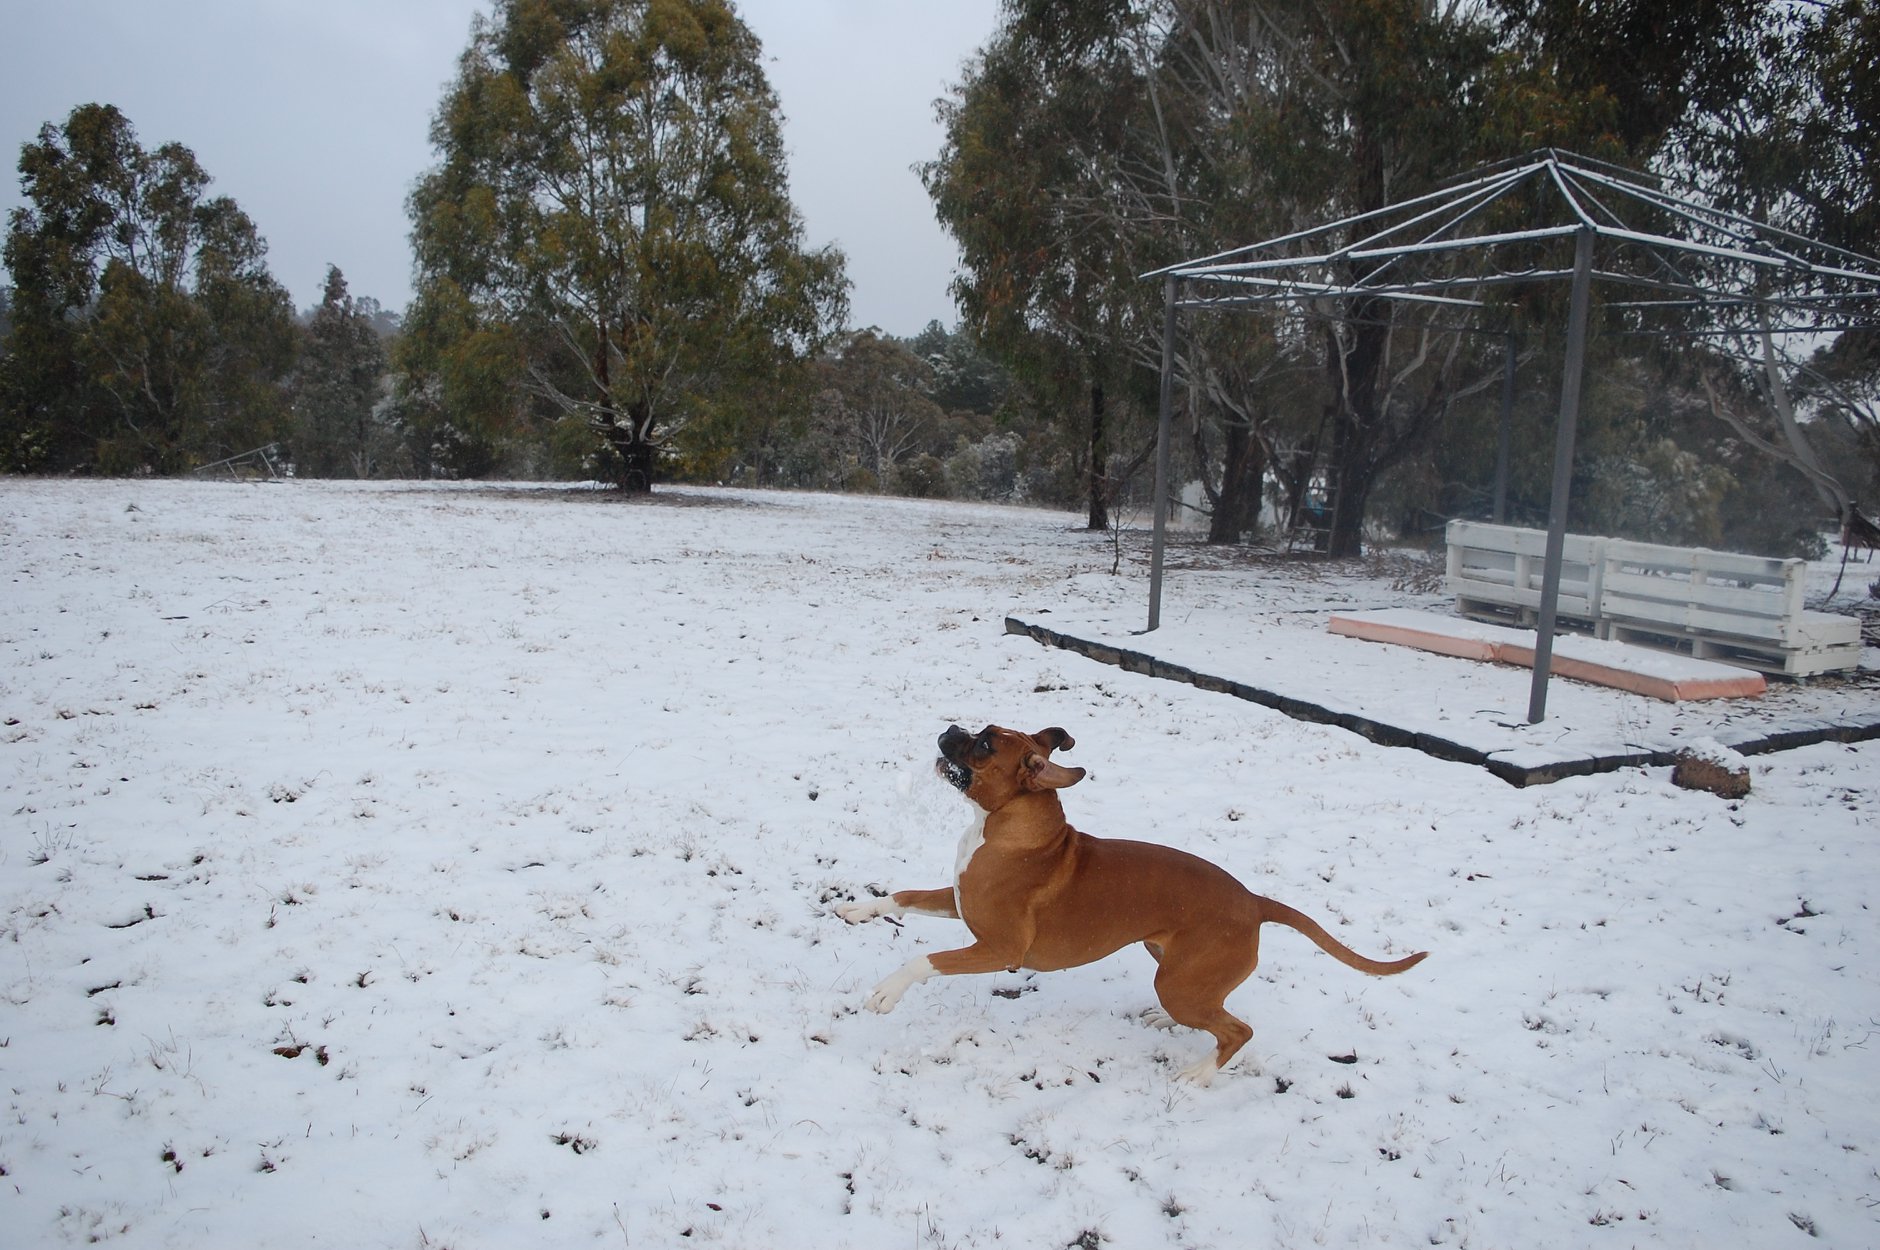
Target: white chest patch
(970,841)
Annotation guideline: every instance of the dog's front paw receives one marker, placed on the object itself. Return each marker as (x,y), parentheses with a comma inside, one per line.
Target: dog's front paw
(860,913)
(889,992)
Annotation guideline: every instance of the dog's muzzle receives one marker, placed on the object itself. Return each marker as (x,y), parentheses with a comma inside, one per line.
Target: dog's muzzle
(954,741)
(957,776)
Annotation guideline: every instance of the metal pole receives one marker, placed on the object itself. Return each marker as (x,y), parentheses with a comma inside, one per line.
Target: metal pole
(1170,289)
(1506,437)
(1563,473)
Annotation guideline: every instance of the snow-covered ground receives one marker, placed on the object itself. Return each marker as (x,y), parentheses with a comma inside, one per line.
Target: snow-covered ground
(452,866)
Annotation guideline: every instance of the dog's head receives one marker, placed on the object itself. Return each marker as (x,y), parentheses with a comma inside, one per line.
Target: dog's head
(997,765)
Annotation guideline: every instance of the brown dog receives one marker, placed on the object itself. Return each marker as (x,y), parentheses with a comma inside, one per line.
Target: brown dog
(1038,894)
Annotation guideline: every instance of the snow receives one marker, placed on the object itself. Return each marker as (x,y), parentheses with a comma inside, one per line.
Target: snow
(1710,751)
(454,866)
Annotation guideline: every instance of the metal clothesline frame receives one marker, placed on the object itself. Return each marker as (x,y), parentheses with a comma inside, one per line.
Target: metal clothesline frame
(1719,264)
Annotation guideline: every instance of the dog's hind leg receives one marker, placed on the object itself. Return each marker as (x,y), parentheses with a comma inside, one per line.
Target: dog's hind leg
(1193,983)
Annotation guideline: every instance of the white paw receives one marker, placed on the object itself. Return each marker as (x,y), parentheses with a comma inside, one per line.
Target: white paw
(889,992)
(860,913)
(1156,1018)
(1201,1073)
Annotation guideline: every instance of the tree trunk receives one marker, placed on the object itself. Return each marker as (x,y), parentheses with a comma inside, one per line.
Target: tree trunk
(1351,479)
(1099,462)
(1243,469)
(1355,423)
(633,462)
(637,479)
(1293,471)
(629,464)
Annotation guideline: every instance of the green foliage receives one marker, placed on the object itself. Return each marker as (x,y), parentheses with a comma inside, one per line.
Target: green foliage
(987,469)
(922,416)
(609,232)
(1652,462)
(1051,237)
(457,393)
(1627,73)
(1799,145)
(875,403)
(148,334)
(965,379)
(337,388)
(1841,121)
(1091,143)
(1659,492)
(921,477)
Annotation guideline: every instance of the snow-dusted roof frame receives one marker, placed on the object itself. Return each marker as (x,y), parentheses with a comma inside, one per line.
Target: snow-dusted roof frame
(1375,254)
(1685,267)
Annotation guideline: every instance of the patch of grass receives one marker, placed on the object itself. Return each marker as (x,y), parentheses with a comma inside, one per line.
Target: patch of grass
(575,1141)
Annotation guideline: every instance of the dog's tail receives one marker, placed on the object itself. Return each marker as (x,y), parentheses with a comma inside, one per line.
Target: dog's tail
(1279,913)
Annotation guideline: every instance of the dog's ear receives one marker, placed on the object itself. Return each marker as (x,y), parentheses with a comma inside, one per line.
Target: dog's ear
(1053,739)
(1042,774)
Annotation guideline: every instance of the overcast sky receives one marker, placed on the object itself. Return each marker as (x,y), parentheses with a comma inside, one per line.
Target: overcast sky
(313,115)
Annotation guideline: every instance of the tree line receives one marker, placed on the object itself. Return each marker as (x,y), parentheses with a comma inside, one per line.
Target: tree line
(143,332)
(1092,141)
(613,283)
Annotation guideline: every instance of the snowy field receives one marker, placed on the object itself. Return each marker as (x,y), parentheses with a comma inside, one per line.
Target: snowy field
(452,867)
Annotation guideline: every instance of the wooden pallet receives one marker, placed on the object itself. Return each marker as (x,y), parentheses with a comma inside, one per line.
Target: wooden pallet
(1718,605)
(1495,572)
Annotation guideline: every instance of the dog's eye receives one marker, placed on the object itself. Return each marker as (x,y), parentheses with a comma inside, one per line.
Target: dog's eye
(982,745)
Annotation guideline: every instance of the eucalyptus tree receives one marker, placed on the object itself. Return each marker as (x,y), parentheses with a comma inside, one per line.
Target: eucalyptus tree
(1347,106)
(1798,144)
(1029,184)
(1092,142)
(609,225)
(148,332)
(877,402)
